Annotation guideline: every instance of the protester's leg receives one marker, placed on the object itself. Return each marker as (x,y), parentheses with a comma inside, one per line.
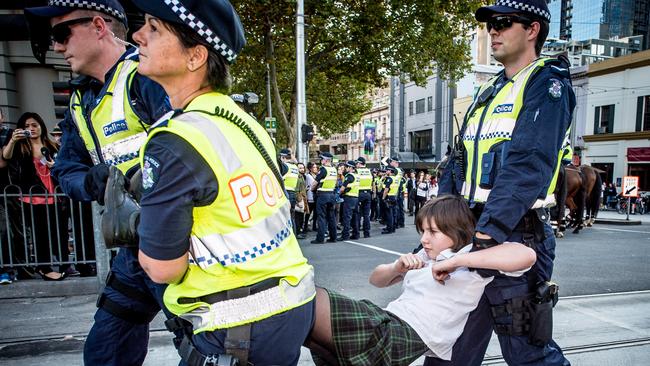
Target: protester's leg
(315,216)
(121,337)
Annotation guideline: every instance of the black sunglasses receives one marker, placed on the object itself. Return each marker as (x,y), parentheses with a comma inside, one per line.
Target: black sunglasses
(62,31)
(502,22)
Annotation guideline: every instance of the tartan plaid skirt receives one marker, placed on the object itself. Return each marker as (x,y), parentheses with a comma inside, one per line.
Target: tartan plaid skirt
(365,334)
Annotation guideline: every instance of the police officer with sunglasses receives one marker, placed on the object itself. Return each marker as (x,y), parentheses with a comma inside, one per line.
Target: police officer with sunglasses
(111,108)
(505,164)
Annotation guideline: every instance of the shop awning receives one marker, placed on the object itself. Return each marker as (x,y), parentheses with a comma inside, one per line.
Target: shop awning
(638,154)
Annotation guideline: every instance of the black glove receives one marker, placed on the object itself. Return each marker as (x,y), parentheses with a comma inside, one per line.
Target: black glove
(95,182)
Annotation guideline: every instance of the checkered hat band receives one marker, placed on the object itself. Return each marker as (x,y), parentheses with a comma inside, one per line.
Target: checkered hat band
(525,7)
(89,5)
(202,29)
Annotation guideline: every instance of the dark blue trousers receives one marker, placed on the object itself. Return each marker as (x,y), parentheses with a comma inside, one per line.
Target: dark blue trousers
(363,212)
(274,341)
(326,216)
(112,340)
(350,211)
(470,347)
(399,210)
(390,213)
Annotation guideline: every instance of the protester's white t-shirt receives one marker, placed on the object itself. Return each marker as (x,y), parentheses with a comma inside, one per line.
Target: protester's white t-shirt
(309,180)
(437,312)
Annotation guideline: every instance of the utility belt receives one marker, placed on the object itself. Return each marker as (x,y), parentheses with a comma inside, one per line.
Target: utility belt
(531,224)
(531,315)
(364,191)
(268,296)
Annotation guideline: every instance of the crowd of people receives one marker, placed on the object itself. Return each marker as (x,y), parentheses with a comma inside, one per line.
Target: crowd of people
(36,220)
(354,197)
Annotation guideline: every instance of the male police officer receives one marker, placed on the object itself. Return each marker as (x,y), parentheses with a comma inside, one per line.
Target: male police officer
(511,138)
(350,192)
(398,210)
(325,183)
(365,198)
(106,125)
(389,197)
(290,175)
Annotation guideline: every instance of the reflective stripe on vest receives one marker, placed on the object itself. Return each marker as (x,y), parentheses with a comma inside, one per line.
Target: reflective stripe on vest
(244,236)
(291,177)
(492,124)
(365,179)
(329,182)
(353,187)
(114,133)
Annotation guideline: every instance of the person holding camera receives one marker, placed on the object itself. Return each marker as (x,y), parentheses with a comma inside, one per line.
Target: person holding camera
(28,154)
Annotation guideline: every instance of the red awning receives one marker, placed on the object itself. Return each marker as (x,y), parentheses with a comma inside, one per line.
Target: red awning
(638,154)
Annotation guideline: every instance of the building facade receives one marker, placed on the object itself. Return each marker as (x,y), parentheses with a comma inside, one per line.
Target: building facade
(616,128)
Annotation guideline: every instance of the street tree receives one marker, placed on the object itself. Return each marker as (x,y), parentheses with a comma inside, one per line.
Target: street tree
(350,45)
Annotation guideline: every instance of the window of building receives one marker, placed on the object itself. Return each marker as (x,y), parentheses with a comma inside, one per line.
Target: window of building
(429,104)
(410,108)
(422,143)
(604,119)
(419,106)
(643,113)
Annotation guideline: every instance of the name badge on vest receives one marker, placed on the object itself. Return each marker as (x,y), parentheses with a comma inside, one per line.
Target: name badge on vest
(503,108)
(115,127)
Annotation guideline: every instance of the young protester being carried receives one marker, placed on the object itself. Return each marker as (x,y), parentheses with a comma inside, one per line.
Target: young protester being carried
(439,292)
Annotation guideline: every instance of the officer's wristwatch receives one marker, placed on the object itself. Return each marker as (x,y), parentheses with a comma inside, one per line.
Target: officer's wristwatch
(483,243)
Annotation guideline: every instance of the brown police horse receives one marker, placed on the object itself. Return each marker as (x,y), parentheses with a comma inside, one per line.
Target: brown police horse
(579,188)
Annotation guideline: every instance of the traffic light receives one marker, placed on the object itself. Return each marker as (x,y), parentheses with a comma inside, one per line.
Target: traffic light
(307,133)
(61,93)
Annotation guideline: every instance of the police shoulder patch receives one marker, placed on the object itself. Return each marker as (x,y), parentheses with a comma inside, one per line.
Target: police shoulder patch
(150,172)
(555,89)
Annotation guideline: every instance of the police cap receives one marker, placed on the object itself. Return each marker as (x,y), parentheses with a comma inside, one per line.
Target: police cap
(285,153)
(56,8)
(391,169)
(535,8)
(395,159)
(56,131)
(351,163)
(216,21)
(361,160)
(325,155)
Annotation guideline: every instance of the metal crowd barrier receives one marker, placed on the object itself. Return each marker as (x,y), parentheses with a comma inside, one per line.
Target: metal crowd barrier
(42,229)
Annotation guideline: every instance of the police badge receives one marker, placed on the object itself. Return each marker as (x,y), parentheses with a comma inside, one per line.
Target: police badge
(555,89)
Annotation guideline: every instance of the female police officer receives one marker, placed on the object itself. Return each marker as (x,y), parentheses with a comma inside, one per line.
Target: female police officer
(215,222)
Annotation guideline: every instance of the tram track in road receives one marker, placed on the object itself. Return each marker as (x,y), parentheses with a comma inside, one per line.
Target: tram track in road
(587,348)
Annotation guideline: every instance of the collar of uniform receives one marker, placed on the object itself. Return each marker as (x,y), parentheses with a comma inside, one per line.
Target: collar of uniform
(130,53)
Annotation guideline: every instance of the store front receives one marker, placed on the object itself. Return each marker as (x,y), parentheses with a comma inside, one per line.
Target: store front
(638,159)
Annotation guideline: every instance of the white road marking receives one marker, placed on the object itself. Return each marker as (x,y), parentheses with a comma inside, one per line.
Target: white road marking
(373,247)
(623,230)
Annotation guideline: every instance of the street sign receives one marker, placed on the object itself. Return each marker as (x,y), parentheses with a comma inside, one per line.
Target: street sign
(270,123)
(630,186)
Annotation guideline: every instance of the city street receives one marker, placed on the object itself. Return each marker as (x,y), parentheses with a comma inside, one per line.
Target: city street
(602,318)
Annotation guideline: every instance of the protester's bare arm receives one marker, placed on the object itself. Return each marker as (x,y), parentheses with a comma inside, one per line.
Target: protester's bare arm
(506,257)
(391,273)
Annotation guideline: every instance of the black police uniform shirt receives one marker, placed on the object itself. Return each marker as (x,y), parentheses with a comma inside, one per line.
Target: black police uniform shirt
(536,140)
(149,102)
(349,178)
(180,179)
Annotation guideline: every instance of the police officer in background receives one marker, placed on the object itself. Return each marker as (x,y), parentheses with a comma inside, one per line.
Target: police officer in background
(509,178)
(324,184)
(110,109)
(290,173)
(365,198)
(389,197)
(215,222)
(350,192)
(398,176)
